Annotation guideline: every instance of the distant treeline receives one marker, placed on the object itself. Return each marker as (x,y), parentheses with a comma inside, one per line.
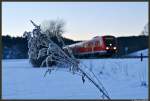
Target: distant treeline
(17,47)
(14,47)
(131,44)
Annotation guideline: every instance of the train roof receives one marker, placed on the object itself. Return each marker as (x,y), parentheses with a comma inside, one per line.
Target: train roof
(75,44)
(81,43)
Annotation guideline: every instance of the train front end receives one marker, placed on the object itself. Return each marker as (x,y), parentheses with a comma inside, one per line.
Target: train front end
(110,43)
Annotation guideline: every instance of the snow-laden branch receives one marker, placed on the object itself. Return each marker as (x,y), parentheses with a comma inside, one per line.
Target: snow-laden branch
(44,52)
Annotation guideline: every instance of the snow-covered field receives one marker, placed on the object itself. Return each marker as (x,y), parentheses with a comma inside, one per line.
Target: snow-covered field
(138,53)
(121,78)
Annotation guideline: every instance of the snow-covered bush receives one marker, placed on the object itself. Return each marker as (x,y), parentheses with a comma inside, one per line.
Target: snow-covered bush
(38,42)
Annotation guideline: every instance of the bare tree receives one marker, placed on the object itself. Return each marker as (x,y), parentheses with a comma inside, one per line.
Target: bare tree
(145,30)
(41,47)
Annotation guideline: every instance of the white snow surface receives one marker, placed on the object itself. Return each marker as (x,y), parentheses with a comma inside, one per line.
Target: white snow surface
(121,78)
(138,53)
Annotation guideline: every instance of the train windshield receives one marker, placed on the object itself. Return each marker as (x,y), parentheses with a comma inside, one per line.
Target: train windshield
(110,41)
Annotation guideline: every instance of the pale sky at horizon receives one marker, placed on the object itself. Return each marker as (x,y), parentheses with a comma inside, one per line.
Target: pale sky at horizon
(84,20)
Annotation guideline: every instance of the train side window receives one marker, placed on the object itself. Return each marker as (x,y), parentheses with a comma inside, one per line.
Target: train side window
(90,44)
(84,45)
(96,43)
(101,41)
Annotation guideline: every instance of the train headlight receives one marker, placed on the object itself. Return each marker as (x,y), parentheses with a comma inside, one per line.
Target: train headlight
(115,48)
(107,48)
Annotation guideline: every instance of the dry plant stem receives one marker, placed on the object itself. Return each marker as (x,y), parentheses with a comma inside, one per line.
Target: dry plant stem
(95,84)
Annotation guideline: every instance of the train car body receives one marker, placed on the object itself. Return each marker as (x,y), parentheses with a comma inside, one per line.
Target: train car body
(97,47)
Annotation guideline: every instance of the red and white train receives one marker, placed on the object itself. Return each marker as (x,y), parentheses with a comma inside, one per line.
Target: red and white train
(97,46)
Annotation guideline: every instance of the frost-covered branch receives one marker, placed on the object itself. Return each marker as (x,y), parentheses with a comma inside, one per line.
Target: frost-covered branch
(44,52)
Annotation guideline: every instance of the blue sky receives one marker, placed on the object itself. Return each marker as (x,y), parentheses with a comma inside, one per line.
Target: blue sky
(84,20)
